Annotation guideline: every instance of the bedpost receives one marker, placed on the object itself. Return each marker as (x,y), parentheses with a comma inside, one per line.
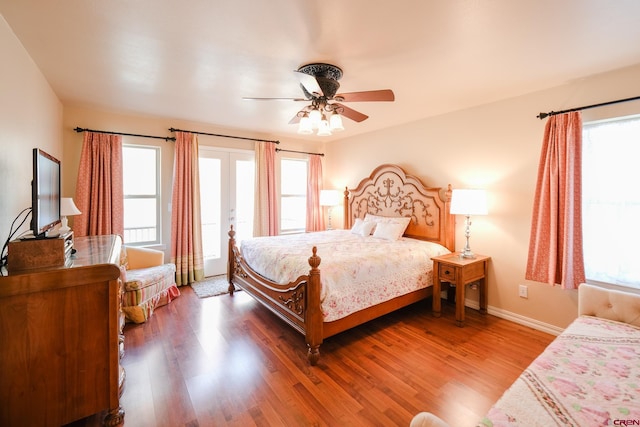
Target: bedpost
(313,314)
(450,221)
(346,219)
(230,261)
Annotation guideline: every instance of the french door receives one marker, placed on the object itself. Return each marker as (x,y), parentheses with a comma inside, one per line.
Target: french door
(226,198)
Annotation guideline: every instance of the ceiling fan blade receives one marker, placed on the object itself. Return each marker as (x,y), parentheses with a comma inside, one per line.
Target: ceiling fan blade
(295,120)
(273,99)
(350,113)
(370,95)
(310,83)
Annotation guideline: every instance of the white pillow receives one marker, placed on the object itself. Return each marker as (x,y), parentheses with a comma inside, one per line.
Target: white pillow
(389,230)
(362,228)
(405,220)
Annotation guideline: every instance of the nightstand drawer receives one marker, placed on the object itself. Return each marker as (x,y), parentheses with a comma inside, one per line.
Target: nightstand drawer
(447,273)
(471,272)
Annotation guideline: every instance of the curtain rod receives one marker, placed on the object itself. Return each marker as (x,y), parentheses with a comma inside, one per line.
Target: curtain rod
(223,136)
(300,152)
(553,113)
(166,138)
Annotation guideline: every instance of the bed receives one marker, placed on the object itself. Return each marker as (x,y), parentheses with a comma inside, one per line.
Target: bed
(300,298)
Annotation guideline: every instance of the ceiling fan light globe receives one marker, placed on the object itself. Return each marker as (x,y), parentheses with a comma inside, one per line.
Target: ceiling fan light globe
(324,130)
(335,123)
(316,117)
(304,127)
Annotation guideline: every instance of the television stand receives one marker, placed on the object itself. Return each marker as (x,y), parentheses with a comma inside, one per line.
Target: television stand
(37,253)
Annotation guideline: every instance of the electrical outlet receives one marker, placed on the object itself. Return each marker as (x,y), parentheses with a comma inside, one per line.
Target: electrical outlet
(523,291)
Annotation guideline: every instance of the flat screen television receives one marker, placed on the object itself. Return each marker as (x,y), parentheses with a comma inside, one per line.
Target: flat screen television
(45,193)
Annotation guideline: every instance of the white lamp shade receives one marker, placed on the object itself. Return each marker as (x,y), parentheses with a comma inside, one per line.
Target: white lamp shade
(335,122)
(329,198)
(305,127)
(315,116)
(67,207)
(469,202)
(323,130)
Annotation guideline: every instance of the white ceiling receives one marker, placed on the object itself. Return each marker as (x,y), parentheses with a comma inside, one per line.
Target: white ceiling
(196,59)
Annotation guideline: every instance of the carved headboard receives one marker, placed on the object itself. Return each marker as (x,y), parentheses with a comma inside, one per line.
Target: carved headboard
(389,191)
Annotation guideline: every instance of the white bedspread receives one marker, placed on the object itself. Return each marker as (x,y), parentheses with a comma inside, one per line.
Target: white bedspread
(356,272)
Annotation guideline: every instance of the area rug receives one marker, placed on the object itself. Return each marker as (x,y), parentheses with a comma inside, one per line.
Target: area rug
(211,286)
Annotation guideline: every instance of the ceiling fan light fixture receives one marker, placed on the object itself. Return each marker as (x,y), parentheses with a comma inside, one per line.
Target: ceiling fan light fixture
(324,130)
(335,123)
(305,127)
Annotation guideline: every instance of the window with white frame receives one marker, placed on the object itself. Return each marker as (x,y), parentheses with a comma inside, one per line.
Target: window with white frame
(141,182)
(293,195)
(611,200)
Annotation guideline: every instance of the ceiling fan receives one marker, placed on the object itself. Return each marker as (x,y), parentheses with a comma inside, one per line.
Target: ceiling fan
(319,83)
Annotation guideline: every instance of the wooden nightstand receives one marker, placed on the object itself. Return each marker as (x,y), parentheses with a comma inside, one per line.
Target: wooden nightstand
(460,272)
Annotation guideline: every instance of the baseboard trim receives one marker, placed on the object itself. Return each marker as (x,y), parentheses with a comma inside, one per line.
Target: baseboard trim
(517,318)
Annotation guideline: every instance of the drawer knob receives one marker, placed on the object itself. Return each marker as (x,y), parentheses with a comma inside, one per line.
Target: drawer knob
(447,272)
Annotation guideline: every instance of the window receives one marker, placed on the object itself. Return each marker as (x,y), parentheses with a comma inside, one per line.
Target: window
(611,200)
(293,196)
(141,181)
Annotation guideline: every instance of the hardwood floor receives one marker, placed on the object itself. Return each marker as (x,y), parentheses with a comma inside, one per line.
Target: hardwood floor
(227,361)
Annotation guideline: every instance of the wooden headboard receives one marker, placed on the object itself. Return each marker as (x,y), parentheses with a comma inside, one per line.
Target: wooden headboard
(389,191)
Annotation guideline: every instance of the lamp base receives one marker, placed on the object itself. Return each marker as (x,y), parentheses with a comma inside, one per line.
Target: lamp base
(64,228)
(467,255)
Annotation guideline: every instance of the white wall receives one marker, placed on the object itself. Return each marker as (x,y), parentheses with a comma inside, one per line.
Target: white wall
(30,117)
(497,147)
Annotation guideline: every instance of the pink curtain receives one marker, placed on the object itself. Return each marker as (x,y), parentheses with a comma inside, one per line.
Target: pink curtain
(315,218)
(186,230)
(99,191)
(265,221)
(555,246)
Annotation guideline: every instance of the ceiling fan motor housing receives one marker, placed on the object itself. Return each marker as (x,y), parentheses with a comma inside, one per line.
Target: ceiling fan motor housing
(326,75)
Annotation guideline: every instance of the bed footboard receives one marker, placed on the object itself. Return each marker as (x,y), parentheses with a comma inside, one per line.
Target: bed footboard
(297,302)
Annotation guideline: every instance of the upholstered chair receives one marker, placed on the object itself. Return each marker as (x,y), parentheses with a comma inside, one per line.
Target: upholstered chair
(148,282)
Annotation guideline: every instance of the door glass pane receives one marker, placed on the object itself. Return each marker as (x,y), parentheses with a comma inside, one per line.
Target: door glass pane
(210,194)
(245,173)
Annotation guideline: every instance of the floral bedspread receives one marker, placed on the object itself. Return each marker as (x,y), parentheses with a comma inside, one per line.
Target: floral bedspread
(356,271)
(588,376)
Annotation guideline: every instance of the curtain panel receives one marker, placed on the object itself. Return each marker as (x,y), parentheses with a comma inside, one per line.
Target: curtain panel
(555,246)
(186,223)
(315,218)
(265,221)
(99,186)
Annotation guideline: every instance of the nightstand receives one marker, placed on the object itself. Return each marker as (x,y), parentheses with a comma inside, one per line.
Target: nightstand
(459,272)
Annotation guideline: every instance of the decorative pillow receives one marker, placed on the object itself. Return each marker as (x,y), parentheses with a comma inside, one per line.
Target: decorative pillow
(389,230)
(362,228)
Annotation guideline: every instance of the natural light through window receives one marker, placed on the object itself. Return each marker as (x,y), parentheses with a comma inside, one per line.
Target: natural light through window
(141,194)
(611,200)
(293,190)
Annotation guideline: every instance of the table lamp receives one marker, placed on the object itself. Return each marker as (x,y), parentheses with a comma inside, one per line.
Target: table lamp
(67,208)
(329,198)
(468,202)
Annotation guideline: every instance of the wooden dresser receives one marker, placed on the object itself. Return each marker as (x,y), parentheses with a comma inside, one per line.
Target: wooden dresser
(61,339)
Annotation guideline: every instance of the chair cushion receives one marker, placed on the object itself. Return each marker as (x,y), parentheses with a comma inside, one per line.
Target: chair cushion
(148,288)
(163,276)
